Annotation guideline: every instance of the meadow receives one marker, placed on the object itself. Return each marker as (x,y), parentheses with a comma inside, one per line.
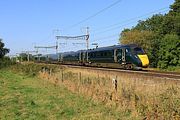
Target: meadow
(28,97)
(53,92)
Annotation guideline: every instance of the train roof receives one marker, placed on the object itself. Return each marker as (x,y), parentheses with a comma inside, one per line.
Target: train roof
(98,49)
(113,47)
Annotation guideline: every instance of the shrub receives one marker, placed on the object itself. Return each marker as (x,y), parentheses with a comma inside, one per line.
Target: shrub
(5,62)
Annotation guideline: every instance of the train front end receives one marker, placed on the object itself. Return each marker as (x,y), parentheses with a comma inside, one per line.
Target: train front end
(144,60)
(141,58)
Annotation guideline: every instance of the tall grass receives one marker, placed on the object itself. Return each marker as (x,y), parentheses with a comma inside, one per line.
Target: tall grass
(139,96)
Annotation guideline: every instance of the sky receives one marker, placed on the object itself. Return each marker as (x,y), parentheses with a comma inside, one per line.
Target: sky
(28,23)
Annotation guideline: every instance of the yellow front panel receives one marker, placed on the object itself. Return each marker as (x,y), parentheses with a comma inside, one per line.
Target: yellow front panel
(144,59)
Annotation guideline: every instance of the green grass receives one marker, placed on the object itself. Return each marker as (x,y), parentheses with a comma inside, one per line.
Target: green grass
(24,97)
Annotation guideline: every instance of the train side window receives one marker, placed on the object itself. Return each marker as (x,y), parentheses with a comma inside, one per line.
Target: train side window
(97,54)
(105,54)
(101,54)
(108,54)
(111,53)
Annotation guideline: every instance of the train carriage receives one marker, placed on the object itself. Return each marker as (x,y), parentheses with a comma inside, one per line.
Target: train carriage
(117,56)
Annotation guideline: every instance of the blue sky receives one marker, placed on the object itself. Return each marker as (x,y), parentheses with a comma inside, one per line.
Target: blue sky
(26,23)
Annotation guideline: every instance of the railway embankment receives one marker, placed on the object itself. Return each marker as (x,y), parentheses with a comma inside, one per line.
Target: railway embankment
(133,95)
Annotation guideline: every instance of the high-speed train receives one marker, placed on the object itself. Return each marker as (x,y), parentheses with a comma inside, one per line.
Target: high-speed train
(128,56)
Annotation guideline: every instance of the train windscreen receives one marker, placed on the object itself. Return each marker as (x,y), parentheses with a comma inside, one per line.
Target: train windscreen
(138,50)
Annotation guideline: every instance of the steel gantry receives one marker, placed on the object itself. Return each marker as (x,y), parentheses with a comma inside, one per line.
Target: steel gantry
(81,37)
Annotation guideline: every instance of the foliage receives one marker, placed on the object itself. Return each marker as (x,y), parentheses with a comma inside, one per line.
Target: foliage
(5,62)
(3,51)
(171,24)
(30,69)
(155,34)
(141,38)
(169,53)
(151,24)
(175,7)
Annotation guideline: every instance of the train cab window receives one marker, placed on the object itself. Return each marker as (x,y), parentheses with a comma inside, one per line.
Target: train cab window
(127,50)
(138,50)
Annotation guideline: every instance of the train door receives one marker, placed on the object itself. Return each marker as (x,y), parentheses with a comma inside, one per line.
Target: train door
(119,55)
(61,57)
(115,55)
(83,56)
(80,59)
(47,58)
(123,55)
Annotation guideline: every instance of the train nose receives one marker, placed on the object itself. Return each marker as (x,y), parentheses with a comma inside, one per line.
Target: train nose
(144,60)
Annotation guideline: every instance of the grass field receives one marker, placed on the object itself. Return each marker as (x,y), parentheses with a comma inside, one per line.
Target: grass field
(41,91)
(23,97)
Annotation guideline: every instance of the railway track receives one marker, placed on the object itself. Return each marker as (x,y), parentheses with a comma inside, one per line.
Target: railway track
(151,73)
(167,75)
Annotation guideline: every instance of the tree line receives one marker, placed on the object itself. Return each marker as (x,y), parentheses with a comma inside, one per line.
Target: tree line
(3,50)
(159,36)
(4,61)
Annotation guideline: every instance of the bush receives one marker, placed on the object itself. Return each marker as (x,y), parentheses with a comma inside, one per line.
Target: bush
(5,62)
(169,52)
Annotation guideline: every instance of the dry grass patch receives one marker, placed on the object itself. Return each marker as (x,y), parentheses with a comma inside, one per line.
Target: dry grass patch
(139,96)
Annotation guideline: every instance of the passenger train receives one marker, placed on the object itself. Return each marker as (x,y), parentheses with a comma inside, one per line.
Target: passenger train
(128,56)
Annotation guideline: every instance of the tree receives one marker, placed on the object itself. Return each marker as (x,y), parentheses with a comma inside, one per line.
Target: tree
(171,23)
(141,38)
(169,52)
(3,51)
(175,7)
(151,24)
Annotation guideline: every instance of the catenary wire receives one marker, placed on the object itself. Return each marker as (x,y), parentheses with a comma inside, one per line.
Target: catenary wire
(94,15)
